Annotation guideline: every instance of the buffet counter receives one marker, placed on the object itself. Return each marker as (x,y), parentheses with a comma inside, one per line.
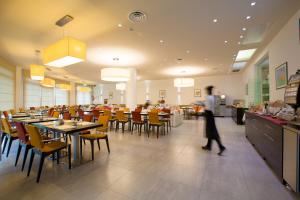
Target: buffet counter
(265,133)
(237,114)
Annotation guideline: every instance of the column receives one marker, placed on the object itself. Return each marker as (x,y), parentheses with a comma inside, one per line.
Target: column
(178,96)
(131,94)
(147,89)
(19,98)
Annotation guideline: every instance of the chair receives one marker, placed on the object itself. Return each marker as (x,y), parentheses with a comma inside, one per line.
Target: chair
(55,114)
(100,135)
(5,113)
(121,118)
(67,116)
(12,111)
(45,149)
(21,110)
(11,134)
(72,111)
(154,122)
(167,118)
(111,119)
(23,141)
(96,114)
(50,112)
(87,118)
(32,108)
(137,122)
(80,113)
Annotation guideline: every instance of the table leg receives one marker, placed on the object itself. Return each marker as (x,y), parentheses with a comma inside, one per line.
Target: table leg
(75,144)
(1,145)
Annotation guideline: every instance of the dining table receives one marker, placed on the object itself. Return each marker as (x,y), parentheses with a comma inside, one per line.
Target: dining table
(69,127)
(22,115)
(29,120)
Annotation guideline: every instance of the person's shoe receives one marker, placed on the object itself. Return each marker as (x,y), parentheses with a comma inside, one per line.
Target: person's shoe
(206,148)
(221,151)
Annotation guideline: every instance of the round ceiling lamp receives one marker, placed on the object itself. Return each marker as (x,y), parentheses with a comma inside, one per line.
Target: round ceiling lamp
(63,86)
(48,82)
(121,86)
(115,74)
(37,72)
(183,82)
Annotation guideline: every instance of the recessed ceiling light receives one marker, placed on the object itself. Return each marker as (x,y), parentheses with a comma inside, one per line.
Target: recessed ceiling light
(239,65)
(120,25)
(248,17)
(245,55)
(234,55)
(253,3)
(244,29)
(241,36)
(206,59)
(239,43)
(215,20)
(225,41)
(161,41)
(187,51)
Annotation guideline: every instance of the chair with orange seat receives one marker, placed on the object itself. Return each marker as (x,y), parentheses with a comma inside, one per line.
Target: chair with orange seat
(154,122)
(10,134)
(67,116)
(111,119)
(55,114)
(121,118)
(54,146)
(96,114)
(12,111)
(100,135)
(137,122)
(21,110)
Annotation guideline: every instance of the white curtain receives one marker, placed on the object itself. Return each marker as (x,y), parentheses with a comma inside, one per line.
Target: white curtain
(32,94)
(61,97)
(6,89)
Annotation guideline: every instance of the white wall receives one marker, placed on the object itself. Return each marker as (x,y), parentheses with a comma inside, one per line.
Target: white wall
(284,47)
(225,84)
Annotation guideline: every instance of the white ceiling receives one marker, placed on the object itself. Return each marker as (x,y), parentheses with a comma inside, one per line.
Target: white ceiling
(27,25)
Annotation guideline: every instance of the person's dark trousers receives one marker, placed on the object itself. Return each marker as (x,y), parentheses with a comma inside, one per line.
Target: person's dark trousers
(209,143)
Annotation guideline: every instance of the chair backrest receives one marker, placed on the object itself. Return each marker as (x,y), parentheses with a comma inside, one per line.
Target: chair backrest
(12,111)
(22,133)
(32,108)
(165,110)
(136,116)
(153,117)
(67,116)
(5,113)
(6,128)
(50,112)
(35,136)
(55,114)
(126,110)
(103,120)
(72,111)
(107,113)
(155,110)
(87,118)
(96,113)
(80,112)
(21,110)
(120,115)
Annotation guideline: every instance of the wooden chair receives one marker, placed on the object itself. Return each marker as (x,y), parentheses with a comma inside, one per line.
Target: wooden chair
(55,114)
(12,111)
(154,122)
(111,119)
(67,116)
(96,114)
(167,119)
(45,149)
(137,122)
(121,118)
(11,134)
(100,135)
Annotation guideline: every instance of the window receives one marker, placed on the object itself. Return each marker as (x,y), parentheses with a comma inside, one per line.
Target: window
(83,98)
(32,94)
(47,96)
(61,97)
(6,89)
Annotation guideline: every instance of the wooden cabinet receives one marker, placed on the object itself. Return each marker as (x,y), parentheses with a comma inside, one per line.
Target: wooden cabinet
(238,114)
(267,138)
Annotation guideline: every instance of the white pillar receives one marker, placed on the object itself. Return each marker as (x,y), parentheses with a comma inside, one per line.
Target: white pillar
(19,102)
(131,94)
(73,94)
(147,89)
(178,96)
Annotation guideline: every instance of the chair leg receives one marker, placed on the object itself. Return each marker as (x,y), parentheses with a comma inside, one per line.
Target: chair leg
(123,127)
(107,144)
(9,146)
(18,154)
(98,142)
(57,157)
(40,167)
(69,155)
(148,131)
(92,147)
(157,132)
(5,143)
(30,162)
(70,138)
(25,156)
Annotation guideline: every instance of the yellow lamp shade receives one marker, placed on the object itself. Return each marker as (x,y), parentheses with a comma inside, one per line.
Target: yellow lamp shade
(84,89)
(37,72)
(48,82)
(64,52)
(63,86)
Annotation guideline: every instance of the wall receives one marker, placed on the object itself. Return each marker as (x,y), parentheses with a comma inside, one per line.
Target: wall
(224,84)
(285,46)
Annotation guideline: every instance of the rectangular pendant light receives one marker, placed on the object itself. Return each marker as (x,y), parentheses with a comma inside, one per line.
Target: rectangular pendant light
(37,72)
(48,82)
(64,52)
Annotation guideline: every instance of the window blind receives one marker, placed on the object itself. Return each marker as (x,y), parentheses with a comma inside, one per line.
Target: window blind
(47,96)
(83,98)
(32,94)
(6,89)
(61,97)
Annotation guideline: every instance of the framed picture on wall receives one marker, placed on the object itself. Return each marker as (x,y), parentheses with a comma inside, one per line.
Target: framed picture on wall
(162,93)
(197,93)
(281,75)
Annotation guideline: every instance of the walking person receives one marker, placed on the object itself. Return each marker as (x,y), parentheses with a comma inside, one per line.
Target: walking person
(210,125)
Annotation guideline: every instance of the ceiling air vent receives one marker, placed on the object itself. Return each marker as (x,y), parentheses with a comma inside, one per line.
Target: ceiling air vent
(137,17)
(235,70)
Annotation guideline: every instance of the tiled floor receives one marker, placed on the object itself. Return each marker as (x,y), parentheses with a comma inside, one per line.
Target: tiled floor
(171,167)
